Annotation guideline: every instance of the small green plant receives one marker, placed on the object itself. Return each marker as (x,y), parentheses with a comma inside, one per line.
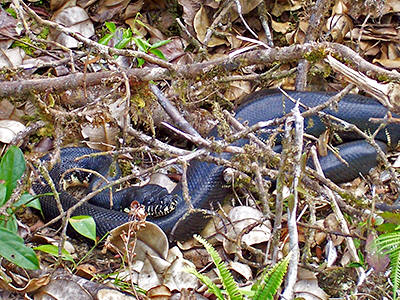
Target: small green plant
(266,288)
(389,243)
(125,36)
(12,246)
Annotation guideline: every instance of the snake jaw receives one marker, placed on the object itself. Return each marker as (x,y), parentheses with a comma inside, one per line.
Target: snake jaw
(164,207)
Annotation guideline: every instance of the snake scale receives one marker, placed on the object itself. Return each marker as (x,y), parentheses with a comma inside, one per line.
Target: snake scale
(205,180)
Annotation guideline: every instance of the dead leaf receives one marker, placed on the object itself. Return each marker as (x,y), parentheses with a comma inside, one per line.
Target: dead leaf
(9,111)
(331,224)
(282,6)
(241,218)
(9,130)
(8,29)
(76,19)
(237,89)
(63,289)
(201,24)
(100,135)
(87,271)
(159,292)
(61,4)
(375,259)
(32,285)
(309,290)
(176,277)
(107,9)
(339,25)
(242,269)
(281,27)
(108,294)
(190,8)
(11,58)
(132,9)
(151,240)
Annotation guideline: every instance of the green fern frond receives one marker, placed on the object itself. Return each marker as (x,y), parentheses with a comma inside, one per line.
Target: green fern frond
(394,257)
(212,287)
(272,280)
(227,280)
(389,243)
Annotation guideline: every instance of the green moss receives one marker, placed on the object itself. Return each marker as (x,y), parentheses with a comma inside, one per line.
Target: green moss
(316,55)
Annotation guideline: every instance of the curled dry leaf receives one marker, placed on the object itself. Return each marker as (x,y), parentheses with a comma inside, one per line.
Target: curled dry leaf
(87,271)
(319,236)
(390,57)
(76,19)
(241,269)
(159,292)
(151,240)
(132,9)
(7,284)
(241,218)
(9,129)
(163,181)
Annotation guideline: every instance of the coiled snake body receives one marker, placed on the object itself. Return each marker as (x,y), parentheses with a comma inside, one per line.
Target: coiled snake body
(205,182)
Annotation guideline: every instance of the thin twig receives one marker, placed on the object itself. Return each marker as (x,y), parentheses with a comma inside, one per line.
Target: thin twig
(294,165)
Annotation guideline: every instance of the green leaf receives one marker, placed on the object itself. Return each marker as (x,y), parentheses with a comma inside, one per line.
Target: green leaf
(142,44)
(12,12)
(141,61)
(123,43)
(85,226)
(9,222)
(158,53)
(226,277)
(141,23)
(389,243)
(28,200)
(111,26)
(53,250)
(386,227)
(127,33)
(106,39)
(12,166)
(272,280)
(12,248)
(212,287)
(159,44)
(3,193)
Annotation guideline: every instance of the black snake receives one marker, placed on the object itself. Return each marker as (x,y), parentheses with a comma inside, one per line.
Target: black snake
(205,182)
